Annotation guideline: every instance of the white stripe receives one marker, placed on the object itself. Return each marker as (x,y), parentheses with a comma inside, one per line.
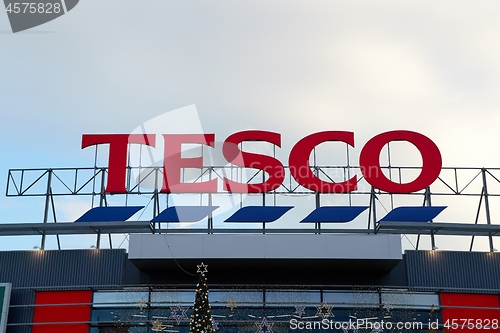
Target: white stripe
(64,6)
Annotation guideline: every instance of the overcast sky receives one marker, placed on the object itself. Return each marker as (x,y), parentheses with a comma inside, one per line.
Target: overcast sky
(294,67)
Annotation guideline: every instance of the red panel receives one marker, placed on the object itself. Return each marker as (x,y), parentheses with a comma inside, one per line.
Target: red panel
(60,328)
(70,307)
(63,297)
(470,312)
(473,300)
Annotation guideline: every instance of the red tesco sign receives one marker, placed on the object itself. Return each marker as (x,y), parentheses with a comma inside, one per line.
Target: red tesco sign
(300,169)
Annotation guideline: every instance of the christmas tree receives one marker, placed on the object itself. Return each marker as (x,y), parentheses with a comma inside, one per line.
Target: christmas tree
(201,319)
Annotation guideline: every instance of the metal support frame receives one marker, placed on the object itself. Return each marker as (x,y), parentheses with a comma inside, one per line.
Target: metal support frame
(27,182)
(17,178)
(487,206)
(47,201)
(428,203)
(372,214)
(477,217)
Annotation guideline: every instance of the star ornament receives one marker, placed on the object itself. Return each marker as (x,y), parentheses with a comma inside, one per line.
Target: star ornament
(264,326)
(178,313)
(300,310)
(387,306)
(158,326)
(202,268)
(232,304)
(142,304)
(324,310)
(345,330)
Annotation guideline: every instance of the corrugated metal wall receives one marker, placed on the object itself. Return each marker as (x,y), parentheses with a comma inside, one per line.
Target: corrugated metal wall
(27,270)
(459,271)
(18,312)
(62,268)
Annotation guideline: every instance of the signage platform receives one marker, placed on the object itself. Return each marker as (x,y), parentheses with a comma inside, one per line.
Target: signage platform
(258,246)
(225,189)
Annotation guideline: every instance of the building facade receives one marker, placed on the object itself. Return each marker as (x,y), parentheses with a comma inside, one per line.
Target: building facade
(258,283)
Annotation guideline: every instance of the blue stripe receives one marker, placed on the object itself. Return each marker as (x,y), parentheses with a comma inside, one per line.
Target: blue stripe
(109,214)
(184,213)
(259,214)
(413,214)
(334,214)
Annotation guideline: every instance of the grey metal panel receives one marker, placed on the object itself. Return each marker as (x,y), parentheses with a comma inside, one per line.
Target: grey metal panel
(75,228)
(62,268)
(146,227)
(466,271)
(19,311)
(266,246)
(420,228)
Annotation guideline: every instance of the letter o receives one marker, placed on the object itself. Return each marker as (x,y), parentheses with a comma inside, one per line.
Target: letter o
(369,161)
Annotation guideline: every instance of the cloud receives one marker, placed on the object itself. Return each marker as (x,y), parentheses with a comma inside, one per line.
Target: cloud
(70,209)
